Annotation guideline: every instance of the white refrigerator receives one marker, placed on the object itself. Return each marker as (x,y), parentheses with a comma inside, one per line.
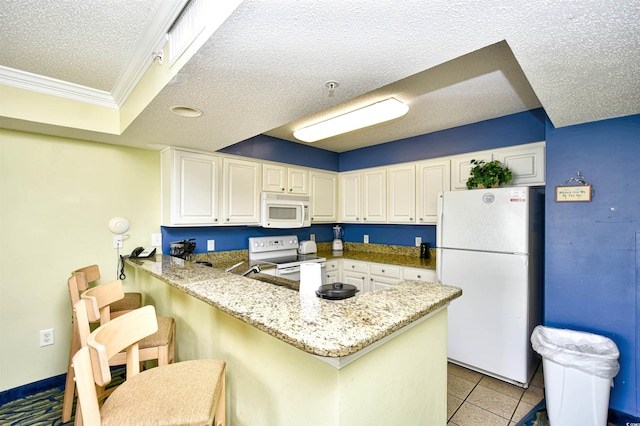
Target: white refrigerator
(490,244)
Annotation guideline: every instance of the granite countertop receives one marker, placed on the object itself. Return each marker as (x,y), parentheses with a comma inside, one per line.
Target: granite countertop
(327,328)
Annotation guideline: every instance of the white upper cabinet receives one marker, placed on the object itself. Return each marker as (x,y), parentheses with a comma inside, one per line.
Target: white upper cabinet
(461,167)
(433,176)
(526,162)
(189,188)
(350,197)
(374,195)
(401,193)
(323,193)
(241,191)
(290,180)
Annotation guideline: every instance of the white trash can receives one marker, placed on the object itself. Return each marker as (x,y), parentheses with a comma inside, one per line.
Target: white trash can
(579,368)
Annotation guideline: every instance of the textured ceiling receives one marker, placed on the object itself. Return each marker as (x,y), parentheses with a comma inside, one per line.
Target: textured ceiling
(83,42)
(264,70)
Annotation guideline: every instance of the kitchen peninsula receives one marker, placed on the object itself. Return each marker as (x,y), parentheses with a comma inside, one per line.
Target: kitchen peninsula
(377,358)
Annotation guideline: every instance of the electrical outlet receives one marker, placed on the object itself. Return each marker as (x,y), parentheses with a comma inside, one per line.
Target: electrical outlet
(366,239)
(156,240)
(117,241)
(418,241)
(47,337)
(312,237)
(211,245)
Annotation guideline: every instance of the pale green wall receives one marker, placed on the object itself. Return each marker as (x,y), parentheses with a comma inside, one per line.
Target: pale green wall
(56,198)
(269,382)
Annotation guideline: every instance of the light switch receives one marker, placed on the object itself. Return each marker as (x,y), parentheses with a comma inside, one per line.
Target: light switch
(211,245)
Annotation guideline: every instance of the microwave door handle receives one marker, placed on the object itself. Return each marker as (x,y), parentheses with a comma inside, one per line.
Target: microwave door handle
(301,214)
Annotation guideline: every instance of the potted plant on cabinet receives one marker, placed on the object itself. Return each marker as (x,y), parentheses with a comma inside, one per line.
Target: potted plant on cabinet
(488,175)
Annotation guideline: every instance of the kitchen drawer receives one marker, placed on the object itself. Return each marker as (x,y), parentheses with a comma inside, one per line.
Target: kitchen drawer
(332,265)
(384,270)
(354,266)
(428,275)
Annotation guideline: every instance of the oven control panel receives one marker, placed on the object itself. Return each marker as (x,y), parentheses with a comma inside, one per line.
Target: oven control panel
(272,244)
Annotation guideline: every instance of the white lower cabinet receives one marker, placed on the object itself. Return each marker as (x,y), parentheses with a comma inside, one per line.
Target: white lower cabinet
(382,276)
(418,274)
(369,276)
(331,274)
(356,273)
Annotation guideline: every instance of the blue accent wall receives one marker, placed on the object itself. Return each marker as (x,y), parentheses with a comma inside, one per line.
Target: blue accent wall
(516,129)
(236,237)
(274,149)
(592,272)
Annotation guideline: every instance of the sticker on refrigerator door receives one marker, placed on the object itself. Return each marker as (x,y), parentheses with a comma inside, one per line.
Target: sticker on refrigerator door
(517,196)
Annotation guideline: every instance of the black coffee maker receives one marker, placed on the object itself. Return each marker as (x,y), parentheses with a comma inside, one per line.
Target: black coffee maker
(424,251)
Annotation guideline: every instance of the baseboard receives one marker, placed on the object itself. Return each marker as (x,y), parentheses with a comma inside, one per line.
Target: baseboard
(32,388)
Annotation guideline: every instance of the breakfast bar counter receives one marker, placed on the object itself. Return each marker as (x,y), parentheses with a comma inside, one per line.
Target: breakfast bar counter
(375,358)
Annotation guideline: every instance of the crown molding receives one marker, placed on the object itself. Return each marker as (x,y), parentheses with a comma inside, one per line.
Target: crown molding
(153,38)
(51,86)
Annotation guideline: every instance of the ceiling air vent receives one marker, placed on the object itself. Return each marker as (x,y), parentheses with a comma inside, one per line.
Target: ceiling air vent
(187,26)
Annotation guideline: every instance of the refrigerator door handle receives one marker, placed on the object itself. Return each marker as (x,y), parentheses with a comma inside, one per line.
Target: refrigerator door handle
(439,219)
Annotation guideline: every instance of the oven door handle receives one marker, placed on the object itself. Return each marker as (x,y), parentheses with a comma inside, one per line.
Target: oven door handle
(288,271)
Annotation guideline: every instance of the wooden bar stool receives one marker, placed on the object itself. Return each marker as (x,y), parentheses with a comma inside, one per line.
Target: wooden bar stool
(189,392)
(82,278)
(91,274)
(160,346)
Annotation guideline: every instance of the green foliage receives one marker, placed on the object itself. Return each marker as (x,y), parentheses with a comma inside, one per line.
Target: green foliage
(488,175)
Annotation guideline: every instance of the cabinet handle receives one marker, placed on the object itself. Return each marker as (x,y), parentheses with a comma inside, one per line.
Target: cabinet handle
(383,271)
(419,276)
(290,189)
(420,219)
(227,219)
(216,219)
(410,218)
(364,218)
(282,189)
(353,266)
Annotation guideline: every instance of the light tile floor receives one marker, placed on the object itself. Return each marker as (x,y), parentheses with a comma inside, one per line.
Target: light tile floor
(475,399)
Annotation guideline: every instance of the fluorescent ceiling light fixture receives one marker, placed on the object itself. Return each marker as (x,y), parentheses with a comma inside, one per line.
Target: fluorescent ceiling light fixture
(366,116)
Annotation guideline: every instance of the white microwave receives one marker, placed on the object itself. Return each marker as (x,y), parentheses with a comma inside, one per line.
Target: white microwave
(284,211)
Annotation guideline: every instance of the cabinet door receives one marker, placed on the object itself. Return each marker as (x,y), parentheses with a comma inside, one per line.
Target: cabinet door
(402,184)
(461,168)
(428,275)
(323,189)
(357,279)
(192,192)
(433,177)
(356,273)
(297,181)
(274,178)
(376,282)
(527,163)
(241,200)
(350,197)
(374,195)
